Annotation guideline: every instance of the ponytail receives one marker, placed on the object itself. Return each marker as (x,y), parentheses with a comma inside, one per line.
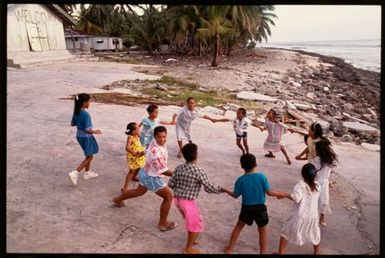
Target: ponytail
(79,100)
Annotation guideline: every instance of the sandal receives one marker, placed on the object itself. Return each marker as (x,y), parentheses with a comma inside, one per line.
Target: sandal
(171,226)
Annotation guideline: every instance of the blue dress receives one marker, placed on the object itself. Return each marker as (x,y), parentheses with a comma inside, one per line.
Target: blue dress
(147,132)
(86,140)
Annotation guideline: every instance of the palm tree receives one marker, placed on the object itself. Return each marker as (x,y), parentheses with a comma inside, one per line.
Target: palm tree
(265,20)
(148,29)
(215,26)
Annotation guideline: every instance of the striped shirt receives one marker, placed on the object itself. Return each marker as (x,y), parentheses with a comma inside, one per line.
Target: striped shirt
(187,180)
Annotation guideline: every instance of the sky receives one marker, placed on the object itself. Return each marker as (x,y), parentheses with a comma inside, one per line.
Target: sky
(325,22)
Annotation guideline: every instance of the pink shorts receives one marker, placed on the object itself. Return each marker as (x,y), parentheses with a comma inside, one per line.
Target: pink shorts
(190,212)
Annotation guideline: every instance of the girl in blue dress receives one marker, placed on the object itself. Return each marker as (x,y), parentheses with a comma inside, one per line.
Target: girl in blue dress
(82,120)
(149,123)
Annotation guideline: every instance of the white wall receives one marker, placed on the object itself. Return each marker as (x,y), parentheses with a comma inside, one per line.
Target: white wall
(33,24)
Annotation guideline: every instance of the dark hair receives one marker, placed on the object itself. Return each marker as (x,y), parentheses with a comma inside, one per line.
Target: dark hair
(159,129)
(242,110)
(190,152)
(317,129)
(190,98)
(130,128)
(305,137)
(308,173)
(79,100)
(248,161)
(151,108)
(325,152)
(274,112)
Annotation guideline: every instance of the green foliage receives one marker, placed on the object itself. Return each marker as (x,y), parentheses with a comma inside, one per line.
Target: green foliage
(251,45)
(210,29)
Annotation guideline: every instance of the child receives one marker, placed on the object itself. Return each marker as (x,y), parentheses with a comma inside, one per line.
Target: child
(183,123)
(324,162)
(253,186)
(186,183)
(240,125)
(84,135)
(275,131)
(304,156)
(135,154)
(315,134)
(149,123)
(302,225)
(151,178)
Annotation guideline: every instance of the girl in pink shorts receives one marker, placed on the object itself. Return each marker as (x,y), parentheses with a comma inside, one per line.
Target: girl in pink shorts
(186,183)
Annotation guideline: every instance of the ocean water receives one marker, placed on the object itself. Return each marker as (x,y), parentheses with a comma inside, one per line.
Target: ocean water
(365,54)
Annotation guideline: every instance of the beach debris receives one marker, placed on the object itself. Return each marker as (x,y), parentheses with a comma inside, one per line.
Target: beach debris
(230,114)
(161,87)
(304,122)
(347,138)
(212,110)
(295,84)
(171,60)
(250,95)
(303,106)
(372,147)
(356,126)
(290,105)
(311,95)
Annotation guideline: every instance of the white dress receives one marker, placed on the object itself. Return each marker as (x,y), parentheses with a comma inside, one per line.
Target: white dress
(183,123)
(323,179)
(303,224)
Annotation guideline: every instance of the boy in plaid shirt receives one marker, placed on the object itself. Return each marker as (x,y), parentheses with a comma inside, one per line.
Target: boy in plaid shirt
(186,183)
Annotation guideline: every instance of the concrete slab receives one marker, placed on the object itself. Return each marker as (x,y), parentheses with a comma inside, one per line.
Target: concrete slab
(46,214)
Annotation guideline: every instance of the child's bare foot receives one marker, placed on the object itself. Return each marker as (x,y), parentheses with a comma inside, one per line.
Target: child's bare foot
(228,250)
(193,251)
(288,162)
(270,155)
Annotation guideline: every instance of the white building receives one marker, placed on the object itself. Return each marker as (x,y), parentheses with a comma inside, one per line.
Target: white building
(86,42)
(35,33)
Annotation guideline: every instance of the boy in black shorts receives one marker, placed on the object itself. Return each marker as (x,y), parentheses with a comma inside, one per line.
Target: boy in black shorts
(253,186)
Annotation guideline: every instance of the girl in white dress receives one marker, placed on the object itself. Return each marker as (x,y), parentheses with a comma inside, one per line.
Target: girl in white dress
(302,225)
(324,162)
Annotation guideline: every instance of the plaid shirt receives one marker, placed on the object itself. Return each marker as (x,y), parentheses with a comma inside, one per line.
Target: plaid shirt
(187,180)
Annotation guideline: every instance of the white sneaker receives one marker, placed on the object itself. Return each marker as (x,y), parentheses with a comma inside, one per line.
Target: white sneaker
(89,174)
(73,177)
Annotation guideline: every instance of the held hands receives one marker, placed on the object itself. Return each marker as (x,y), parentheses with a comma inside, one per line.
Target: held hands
(97,131)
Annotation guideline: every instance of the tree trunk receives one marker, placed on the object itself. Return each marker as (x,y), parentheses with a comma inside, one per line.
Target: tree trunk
(200,48)
(216,48)
(150,48)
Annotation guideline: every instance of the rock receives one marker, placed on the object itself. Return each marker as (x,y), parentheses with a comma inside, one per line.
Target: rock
(359,126)
(347,138)
(302,106)
(311,95)
(295,84)
(249,95)
(290,105)
(326,89)
(212,110)
(372,112)
(372,147)
(161,87)
(230,114)
(171,60)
